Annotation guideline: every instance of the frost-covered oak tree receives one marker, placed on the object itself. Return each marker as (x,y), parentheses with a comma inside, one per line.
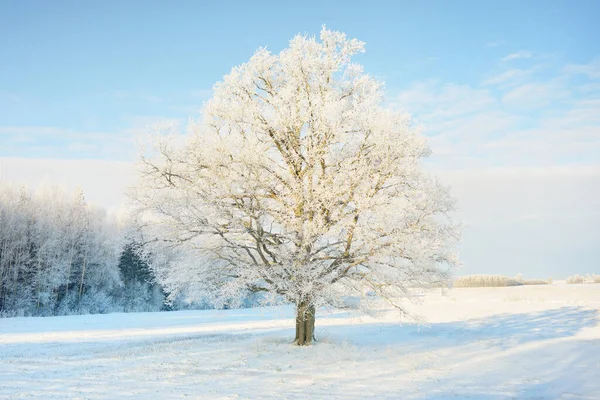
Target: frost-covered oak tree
(299,184)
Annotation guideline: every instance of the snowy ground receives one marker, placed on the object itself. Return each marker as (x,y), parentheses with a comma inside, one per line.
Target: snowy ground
(534,342)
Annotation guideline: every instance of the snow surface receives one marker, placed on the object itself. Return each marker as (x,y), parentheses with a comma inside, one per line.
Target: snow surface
(528,342)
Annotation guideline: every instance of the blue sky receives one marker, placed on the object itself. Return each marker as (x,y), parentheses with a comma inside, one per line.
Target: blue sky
(508,92)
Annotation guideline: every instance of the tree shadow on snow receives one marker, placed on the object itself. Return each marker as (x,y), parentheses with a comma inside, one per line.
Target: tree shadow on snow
(567,369)
(504,329)
(505,356)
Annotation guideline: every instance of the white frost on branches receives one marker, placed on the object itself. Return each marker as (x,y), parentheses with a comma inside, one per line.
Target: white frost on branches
(298,184)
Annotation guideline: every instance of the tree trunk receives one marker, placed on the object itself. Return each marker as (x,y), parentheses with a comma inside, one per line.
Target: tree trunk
(82,275)
(69,271)
(305,324)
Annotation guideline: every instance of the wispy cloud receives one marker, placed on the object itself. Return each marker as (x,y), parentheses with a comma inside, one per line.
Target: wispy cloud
(510,76)
(518,55)
(535,95)
(519,117)
(494,44)
(432,100)
(54,133)
(591,70)
(520,159)
(54,142)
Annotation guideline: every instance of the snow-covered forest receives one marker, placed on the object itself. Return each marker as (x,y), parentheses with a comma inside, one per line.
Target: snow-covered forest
(59,255)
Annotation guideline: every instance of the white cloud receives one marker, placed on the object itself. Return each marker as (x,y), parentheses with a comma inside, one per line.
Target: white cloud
(589,88)
(482,125)
(53,142)
(535,95)
(511,76)
(591,70)
(431,100)
(521,152)
(54,133)
(518,55)
(494,44)
(33,130)
(535,123)
(559,136)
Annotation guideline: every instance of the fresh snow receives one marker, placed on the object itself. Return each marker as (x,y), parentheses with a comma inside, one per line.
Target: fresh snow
(527,342)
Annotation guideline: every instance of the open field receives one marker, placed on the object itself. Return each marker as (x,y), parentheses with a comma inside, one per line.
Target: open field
(525,342)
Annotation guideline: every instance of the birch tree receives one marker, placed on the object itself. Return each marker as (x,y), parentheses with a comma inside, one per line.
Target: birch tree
(300,184)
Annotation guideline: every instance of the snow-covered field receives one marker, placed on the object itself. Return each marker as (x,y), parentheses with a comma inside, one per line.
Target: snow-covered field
(528,342)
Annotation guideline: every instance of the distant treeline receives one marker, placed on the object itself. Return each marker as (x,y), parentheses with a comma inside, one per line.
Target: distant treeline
(496,281)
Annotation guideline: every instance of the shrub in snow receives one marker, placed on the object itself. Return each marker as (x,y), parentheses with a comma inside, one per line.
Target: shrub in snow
(495,281)
(589,278)
(96,301)
(575,279)
(139,296)
(534,282)
(485,281)
(519,278)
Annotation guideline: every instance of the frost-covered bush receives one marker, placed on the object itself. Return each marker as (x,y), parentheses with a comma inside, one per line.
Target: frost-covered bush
(67,304)
(141,297)
(12,313)
(496,281)
(535,282)
(575,279)
(485,281)
(185,302)
(519,277)
(96,301)
(589,278)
